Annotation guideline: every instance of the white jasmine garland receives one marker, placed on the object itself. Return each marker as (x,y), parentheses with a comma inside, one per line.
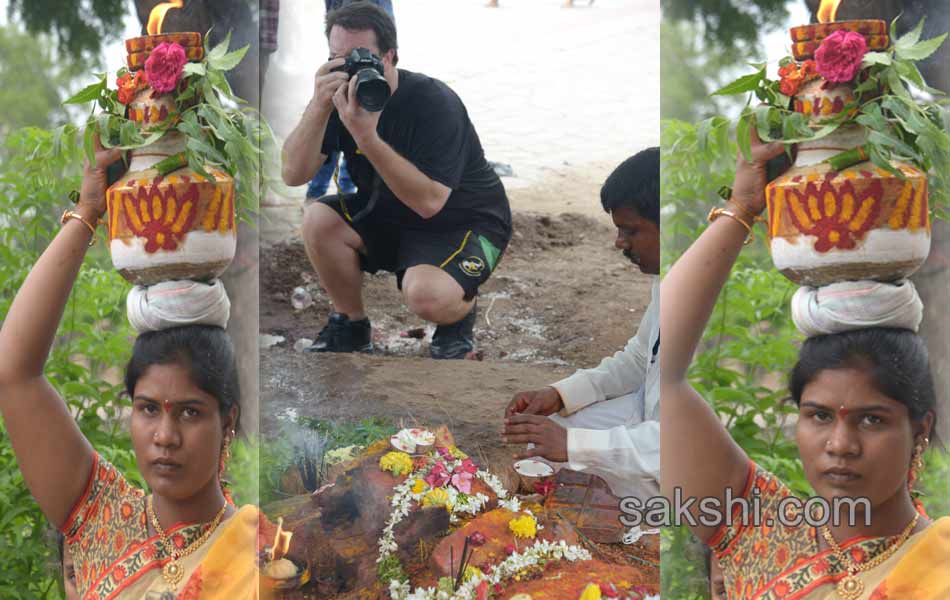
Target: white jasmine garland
(541,550)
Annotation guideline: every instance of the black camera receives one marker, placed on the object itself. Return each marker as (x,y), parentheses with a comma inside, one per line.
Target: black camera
(372,89)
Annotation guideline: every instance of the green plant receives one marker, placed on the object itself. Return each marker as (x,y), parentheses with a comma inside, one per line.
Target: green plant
(92,344)
(243,471)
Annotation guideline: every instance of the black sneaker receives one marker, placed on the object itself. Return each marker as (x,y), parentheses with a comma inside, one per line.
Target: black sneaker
(455,340)
(343,335)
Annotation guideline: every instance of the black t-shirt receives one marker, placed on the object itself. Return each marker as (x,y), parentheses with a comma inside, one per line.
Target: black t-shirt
(427,124)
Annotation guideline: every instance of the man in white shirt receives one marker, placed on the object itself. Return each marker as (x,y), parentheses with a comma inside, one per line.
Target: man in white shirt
(606,420)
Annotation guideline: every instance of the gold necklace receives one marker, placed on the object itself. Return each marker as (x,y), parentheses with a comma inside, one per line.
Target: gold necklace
(851,587)
(172,572)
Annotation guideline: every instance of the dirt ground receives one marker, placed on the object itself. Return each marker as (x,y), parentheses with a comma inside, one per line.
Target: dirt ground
(562,297)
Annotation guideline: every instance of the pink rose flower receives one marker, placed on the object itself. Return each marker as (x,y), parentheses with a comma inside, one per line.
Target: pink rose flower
(462,482)
(164,66)
(438,476)
(838,59)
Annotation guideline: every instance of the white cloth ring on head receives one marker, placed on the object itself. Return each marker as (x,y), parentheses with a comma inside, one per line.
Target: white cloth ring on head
(176,303)
(850,305)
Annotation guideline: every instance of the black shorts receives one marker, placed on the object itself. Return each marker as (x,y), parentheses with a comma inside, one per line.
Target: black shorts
(468,254)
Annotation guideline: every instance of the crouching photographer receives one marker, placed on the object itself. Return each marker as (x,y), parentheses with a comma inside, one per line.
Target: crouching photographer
(429,208)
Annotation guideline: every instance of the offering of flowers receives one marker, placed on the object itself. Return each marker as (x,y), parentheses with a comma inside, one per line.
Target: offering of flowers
(525,526)
(533,473)
(397,463)
(445,477)
(413,441)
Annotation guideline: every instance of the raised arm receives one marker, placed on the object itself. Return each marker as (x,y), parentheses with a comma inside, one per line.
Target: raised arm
(54,456)
(697,454)
(301,155)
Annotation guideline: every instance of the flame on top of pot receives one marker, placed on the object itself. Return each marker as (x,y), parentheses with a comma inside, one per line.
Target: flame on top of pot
(827,10)
(157,16)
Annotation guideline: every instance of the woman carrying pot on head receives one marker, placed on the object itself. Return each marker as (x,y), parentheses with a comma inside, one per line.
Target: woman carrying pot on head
(184,539)
(867,412)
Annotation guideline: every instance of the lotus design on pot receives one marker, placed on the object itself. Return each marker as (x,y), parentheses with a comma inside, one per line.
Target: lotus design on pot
(159,216)
(835,213)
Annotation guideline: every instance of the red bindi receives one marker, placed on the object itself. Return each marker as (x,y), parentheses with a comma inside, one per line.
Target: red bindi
(844,412)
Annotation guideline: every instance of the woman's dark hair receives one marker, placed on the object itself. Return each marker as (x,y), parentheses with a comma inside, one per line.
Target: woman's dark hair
(635,184)
(895,358)
(206,351)
(364,16)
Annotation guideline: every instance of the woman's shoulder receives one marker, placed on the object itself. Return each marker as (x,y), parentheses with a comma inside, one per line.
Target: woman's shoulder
(108,494)
(765,509)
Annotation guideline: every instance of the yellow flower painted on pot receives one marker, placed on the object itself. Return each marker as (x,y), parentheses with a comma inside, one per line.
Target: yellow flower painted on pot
(436,497)
(591,592)
(524,527)
(398,463)
(418,487)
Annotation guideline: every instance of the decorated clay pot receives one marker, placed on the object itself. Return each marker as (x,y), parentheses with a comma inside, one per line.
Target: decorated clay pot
(180,226)
(861,222)
(858,223)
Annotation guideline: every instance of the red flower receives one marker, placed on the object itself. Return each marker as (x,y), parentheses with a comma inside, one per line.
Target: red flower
(164,66)
(438,475)
(838,59)
(131,84)
(477,539)
(467,467)
(545,487)
(419,462)
(481,592)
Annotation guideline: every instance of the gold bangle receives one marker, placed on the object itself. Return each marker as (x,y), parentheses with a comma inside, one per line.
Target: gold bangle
(715,213)
(71,214)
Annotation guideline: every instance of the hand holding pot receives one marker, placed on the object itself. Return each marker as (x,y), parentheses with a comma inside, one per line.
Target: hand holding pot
(748,187)
(92,195)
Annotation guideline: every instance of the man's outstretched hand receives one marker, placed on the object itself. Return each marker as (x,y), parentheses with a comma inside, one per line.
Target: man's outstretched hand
(549,438)
(545,401)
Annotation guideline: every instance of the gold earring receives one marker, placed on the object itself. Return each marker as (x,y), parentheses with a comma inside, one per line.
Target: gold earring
(917,460)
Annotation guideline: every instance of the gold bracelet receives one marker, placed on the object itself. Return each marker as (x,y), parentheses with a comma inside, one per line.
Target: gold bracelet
(715,213)
(71,214)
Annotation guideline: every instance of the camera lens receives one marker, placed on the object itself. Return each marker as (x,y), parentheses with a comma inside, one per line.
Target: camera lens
(372,90)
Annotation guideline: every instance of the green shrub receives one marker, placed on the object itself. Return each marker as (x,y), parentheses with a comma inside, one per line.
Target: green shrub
(37,171)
